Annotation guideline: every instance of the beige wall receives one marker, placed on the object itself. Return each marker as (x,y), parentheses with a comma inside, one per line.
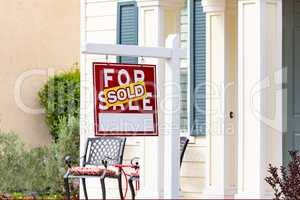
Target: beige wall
(35,34)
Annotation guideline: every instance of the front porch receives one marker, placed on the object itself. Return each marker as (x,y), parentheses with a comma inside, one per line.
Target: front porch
(243,125)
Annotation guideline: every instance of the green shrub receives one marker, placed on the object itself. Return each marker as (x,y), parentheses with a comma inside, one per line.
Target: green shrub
(36,162)
(12,156)
(39,170)
(50,159)
(67,145)
(60,97)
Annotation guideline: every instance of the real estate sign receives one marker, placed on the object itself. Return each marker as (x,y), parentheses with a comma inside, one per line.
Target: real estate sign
(125,99)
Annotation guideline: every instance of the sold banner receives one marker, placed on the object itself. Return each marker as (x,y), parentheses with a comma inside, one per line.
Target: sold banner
(125,99)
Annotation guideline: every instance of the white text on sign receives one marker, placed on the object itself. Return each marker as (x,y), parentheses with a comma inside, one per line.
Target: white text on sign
(126,92)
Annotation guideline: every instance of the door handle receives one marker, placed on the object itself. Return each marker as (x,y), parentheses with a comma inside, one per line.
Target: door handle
(231,115)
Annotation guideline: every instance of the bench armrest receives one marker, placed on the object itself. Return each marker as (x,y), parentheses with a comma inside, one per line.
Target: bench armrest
(68,160)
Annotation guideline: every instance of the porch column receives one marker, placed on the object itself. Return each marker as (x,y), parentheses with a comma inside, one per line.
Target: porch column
(157,19)
(221,48)
(259,94)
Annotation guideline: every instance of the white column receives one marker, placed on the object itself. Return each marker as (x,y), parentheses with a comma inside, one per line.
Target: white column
(157,19)
(172,122)
(260,113)
(220,96)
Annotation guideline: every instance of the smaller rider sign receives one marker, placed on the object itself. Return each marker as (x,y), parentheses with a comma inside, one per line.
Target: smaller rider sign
(125,99)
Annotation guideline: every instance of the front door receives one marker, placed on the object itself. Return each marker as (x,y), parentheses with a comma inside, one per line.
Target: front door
(291,62)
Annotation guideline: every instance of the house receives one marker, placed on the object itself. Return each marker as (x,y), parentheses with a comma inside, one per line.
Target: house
(38,38)
(238,86)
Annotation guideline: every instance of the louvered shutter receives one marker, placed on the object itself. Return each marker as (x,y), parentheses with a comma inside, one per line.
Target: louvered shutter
(127,28)
(198,65)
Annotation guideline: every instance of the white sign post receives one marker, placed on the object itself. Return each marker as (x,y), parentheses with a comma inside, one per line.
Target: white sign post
(172,54)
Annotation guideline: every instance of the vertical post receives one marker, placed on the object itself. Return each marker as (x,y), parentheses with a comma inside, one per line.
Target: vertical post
(172,121)
(157,19)
(220,97)
(152,158)
(83,87)
(259,57)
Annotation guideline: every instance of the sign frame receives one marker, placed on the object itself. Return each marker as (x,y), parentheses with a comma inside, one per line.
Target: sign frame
(98,133)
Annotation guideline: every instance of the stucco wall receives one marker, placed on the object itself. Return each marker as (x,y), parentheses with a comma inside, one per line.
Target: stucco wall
(36,35)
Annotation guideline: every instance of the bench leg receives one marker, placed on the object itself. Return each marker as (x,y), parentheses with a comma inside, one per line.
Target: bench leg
(120,187)
(67,188)
(84,188)
(102,180)
(130,182)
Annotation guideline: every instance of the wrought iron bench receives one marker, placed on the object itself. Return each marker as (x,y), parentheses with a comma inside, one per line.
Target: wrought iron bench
(100,152)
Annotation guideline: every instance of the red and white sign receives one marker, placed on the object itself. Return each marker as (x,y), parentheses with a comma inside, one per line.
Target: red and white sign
(125,99)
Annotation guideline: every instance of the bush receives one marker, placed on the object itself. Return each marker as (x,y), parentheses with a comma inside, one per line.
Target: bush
(36,174)
(39,170)
(287,184)
(60,97)
(67,145)
(12,156)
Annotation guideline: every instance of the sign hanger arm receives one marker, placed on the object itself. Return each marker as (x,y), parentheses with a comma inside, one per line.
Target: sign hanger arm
(132,51)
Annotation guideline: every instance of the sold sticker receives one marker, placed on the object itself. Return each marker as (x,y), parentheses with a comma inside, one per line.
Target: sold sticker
(125,101)
(125,93)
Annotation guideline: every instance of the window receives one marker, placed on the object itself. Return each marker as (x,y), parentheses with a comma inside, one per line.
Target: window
(193,73)
(127,27)
(184,72)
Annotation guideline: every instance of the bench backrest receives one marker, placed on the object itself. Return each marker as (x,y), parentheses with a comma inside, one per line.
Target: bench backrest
(110,149)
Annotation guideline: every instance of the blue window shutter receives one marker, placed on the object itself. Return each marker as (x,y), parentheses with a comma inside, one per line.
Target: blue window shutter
(127,27)
(198,67)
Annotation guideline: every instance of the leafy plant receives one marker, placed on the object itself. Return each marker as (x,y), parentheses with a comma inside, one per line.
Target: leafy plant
(11,162)
(287,184)
(60,97)
(67,145)
(50,159)
(39,170)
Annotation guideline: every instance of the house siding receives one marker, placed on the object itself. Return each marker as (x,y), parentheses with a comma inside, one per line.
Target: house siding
(193,168)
